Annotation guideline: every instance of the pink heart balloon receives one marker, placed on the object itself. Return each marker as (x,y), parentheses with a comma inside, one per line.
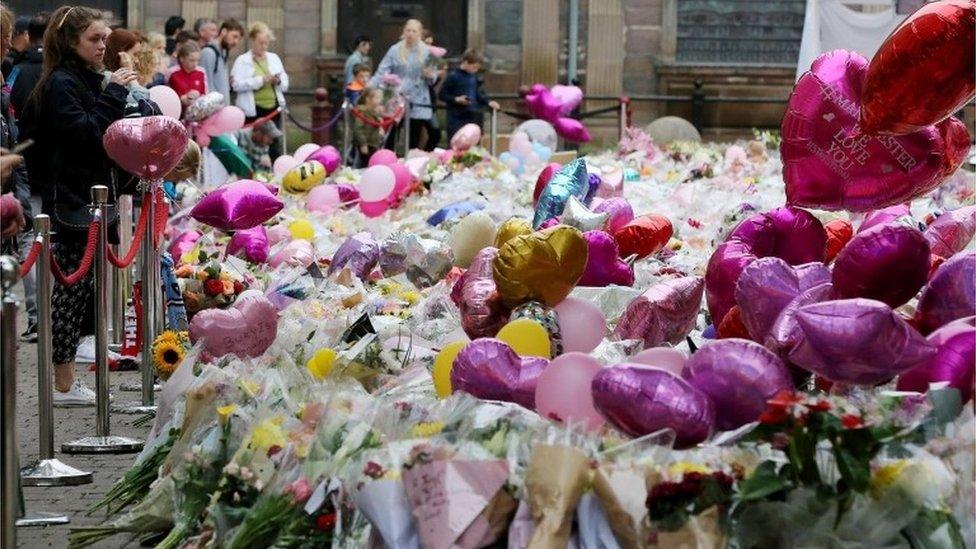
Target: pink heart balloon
(665,313)
(886,262)
(950,295)
(768,285)
(183,243)
(569,97)
(603,264)
(952,231)
(542,104)
(476,295)
(297,253)
(571,129)
(246,329)
(148,147)
(827,164)
(884,216)
(785,335)
(489,369)
(954,362)
(253,242)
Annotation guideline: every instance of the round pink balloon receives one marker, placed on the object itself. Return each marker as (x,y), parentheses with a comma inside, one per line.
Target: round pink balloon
(466,137)
(283,164)
(148,147)
(246,329)
(581,324)
(322,198)
(376,183)
(382,157)
(328,156)
(402,179)
(297,253)
(227,119)
(886,262)
(563,393)
(374,209)
(666,358)
(167,99)
(303,152)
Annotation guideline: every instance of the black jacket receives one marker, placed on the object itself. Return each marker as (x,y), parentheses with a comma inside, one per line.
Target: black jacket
(31,63)
(461,82)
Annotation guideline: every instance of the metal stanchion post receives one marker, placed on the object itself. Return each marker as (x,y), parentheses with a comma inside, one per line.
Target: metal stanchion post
(103,441)
(47,470)
(284,129)
(121,279)
(493,132)
(406,130)
(346,132)
(622,122)
(12,511)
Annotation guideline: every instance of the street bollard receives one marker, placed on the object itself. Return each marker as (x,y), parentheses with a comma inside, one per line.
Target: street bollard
(406,130)
(493,132)
(346,132)
(12,511)
(103,442)
(47,470)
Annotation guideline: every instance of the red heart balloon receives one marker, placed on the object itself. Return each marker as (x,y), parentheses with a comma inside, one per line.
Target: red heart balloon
(148,147)
(829,164)
(644,235)
(923,72)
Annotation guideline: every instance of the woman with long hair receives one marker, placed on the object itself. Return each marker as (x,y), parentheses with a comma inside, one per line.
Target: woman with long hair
(260,80)
(408,60)
(71,110)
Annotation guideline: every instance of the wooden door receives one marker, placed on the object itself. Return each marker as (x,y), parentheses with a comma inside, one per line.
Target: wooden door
(382,20)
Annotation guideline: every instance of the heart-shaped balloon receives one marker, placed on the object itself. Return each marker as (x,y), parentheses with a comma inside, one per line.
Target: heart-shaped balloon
(839,233)
(739,376)
(578,215)
(476,295)
(542,266)
(544,176)
(359,253)
(572,130)
(510,228)
(603,264)
(644,235)
(489,369)
(238,205)
(827,164)
(951,231)
(253,242)
(665,313)
(619,213)
(767,285)
(147,147)
(569,180)
(640,400)
(246,329)
(569,97)
(612,185)
(542,104)
(328,156)
(951,293)
(954,362)
(888,263)
(885,216)
(785,335)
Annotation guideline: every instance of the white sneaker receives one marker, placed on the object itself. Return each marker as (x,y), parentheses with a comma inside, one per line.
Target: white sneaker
(85,354)
(78,396)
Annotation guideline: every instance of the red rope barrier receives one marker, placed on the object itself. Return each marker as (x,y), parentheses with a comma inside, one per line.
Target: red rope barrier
(130,256)
(31,258)
(384,124)
(86,260)
(162,216)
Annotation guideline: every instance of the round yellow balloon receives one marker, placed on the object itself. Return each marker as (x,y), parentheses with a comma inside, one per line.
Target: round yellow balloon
(526,337)
(303,177)
(442,367)
(321,363)
(302,228)
(510,228)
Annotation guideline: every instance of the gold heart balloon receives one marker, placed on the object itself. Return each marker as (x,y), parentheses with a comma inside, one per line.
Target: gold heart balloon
(541,266)
(510,228)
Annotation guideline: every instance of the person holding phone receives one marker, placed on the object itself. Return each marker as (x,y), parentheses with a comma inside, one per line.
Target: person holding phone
(260,80)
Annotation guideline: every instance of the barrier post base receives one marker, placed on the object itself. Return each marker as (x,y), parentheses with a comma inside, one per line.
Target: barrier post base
(103,445)
(52,472)
(42,519)
(133,409)
(136,387)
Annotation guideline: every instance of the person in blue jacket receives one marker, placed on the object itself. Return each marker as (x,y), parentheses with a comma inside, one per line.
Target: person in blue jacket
(462,92)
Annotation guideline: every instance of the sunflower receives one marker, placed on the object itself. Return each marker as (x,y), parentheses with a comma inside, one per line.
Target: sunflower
(168,350)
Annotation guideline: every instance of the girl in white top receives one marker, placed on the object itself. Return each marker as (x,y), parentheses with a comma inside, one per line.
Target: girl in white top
(260,80)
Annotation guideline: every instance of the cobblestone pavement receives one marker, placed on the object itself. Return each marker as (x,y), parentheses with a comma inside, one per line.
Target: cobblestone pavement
(69,424)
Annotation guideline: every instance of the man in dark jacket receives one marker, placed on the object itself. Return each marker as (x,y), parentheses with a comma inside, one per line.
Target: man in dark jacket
(463,94)
(27,68)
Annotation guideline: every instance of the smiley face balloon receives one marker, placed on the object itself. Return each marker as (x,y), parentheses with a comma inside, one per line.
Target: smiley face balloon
(304,176)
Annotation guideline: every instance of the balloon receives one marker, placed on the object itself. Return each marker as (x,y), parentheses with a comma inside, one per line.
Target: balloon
(322,198)
(603,264)
(569,97)
(792,234)
(328,156)
(377,183)
(227,119)
(542,266)
(297,253)
(640,400)
(544,176)
(665,313)
(951,329)
(951,231)
(856,341)
(539,131)
(884,216)
(402,179)
(278,233)
(203,107)
(767,286)
(180,245)
(546,317)
(490,369)
(417,166)
(828,165)
(425,261)
(888,263)
(923,71)
(542,104)
(147,147)
(303,177)
(454,210)
(202,139)
(520,145)
(643,235)
(347,193)
(563,393)
(283,164)
(612,185)
(253,242)
(382,157)
(665,358)
(466,137)
(571,129)
(303,152)
(739,376)
(526,337)
(570,180)
(359,253)
(732,325)
(953,362)
(619,211)
(576,214)
(839,233)
(581,324)
(167,99)
(238,205)
(785,335)
(246,329)
(949,295)
(442,368)
(473,233)
(302,228)
(476,295)
(374,209)
(510,228)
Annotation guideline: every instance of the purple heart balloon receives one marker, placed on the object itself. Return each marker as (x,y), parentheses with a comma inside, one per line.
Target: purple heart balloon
(253,242)
(476,295)
(951,231)
(620,212)
(884,216)
(739,376)
(489,369)
(827,164)
(888,263)
(665,313)
(857,341)
(951,293)
(785,335)
(768,285)
(360,253)
(603,264)
(791,234)
(640,400)
(953,362)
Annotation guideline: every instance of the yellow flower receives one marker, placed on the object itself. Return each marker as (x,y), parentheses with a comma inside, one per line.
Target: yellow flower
(410,296)
(251,387)
(886,475)
(391,474)
(266,434)
(683,468)
(426,429)
(224,413)
(321,363)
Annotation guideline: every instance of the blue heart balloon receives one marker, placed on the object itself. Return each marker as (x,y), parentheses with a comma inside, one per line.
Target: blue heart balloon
(570,180)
